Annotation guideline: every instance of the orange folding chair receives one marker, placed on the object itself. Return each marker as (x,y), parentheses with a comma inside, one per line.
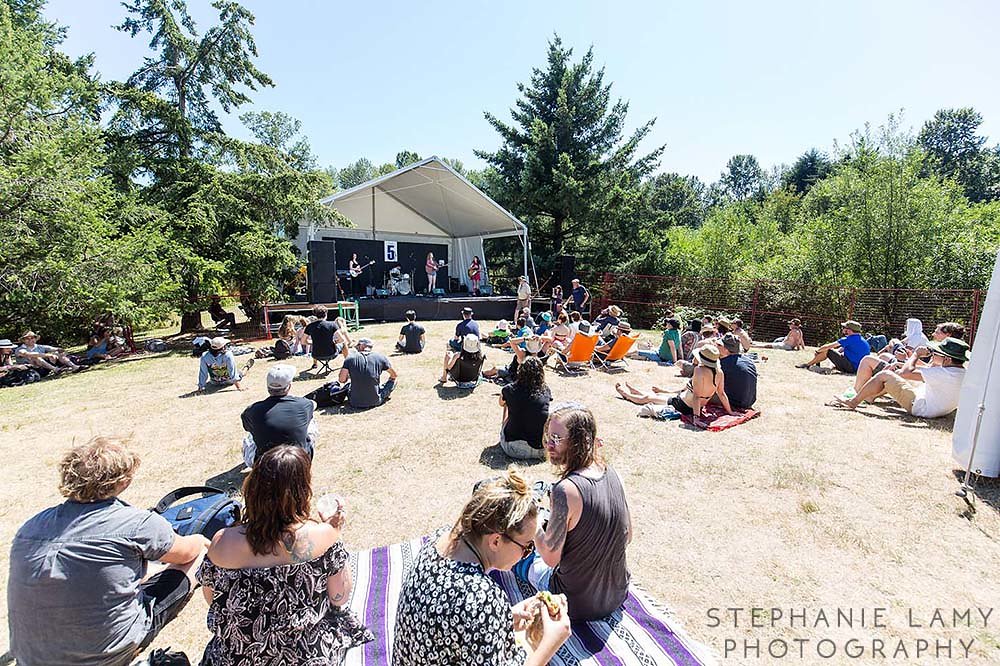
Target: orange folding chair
(578,357)
(623,345)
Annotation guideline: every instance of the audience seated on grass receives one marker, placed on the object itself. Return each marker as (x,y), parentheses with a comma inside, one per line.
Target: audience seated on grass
(526,347)
(13,372)
(670,345)
(105,344)
(525,409)
(744,335)
(740,373)
(279,419)
(690,337)
(580,353)
(361,376)
(706,383)
(218,366)
(303,346)
(529,321)
(44,357)
(948,329)
(926,392)
(709,336)
(220,316)
(463,328)
(411,336)
(845,353)
(84,585)
(464,367)
(581,551)
(893,355)
(544,325)
(560,334)
(451,612)
(327,338)
(791,342)
(278,585)
(607,321)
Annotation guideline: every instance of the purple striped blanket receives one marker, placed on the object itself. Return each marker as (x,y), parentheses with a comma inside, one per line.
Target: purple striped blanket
(642,634)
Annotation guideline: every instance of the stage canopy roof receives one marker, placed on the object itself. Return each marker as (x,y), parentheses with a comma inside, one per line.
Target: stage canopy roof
(426,198)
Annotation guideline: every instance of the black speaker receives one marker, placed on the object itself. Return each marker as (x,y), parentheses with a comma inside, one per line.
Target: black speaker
(567,270)
(322,272)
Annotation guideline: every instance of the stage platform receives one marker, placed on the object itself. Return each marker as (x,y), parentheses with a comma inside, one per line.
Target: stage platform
(486,308)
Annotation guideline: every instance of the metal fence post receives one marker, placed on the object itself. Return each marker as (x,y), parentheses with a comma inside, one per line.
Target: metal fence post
(975,316)
(850,307)
(753,306)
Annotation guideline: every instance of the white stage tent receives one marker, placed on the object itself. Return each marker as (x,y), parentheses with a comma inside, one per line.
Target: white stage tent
(977,424)
(425,202)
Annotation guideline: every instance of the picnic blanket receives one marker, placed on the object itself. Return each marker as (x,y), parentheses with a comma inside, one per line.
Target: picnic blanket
(643,635)
(714,418)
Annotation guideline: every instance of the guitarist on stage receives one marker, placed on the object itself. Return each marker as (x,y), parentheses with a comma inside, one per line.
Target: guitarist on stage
(355,269)
(475,274)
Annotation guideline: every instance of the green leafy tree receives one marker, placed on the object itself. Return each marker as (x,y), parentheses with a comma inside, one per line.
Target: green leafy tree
(406,157)
(564,160)
(811,167)
(956,150)
(68,237)
(743,179)
(675,200)
(280,131)
(356,173)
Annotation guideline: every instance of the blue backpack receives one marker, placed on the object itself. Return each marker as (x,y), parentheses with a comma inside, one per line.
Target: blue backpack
(205,515)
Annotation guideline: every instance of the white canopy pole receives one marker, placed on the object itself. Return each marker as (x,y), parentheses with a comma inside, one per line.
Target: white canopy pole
(524,242)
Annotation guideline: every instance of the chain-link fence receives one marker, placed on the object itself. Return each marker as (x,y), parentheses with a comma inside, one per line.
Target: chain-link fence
(766,305)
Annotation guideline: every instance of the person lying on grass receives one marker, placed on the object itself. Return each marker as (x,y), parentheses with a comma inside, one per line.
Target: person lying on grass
(845,353)
(581,551)
(707,383)
(451,612)
(927,392)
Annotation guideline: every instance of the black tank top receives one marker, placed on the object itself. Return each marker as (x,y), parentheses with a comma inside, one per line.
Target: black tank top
(593,573)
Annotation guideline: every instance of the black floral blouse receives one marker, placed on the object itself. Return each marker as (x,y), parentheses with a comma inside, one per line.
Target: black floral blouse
(279,615)
(453,613)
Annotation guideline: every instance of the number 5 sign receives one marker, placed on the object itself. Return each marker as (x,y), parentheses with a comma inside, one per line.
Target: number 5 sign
(391,253)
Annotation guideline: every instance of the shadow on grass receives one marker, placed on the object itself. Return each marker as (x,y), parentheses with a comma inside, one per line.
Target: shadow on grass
(210,389)
(986,490)
(494,458)
(228,481)
(453,392)
(308,374)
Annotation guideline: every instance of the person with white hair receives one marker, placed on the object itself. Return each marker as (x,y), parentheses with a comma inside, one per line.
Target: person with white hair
(361,376)
(218,366)
(279,418)
(464,367)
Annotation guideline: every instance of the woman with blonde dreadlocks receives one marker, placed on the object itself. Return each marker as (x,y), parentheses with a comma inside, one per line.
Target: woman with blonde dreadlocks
(451,612)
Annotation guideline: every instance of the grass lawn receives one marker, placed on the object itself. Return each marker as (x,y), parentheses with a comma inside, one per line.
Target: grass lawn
(805,507)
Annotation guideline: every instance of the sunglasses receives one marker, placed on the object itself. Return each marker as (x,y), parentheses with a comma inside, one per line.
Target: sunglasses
(526,549)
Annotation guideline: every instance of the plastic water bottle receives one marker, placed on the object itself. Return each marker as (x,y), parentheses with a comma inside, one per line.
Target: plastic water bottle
(849,393)
(328,504)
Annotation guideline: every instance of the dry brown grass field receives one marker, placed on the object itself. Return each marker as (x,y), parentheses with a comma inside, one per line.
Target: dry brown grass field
(805,507)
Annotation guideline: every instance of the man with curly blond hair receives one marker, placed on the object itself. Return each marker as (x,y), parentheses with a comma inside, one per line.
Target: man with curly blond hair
(80,588)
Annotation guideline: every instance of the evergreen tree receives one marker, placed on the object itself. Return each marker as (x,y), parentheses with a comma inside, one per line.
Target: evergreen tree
(811,167)
(956,150)
(564,160)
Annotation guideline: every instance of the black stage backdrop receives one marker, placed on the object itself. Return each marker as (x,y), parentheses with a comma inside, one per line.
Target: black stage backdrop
(412,257)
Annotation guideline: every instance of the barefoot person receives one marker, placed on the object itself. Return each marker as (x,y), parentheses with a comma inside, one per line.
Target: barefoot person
(85,586)
(45,357)
(581,552)
(451,612)
(927,392)
(708,382)
(845,353)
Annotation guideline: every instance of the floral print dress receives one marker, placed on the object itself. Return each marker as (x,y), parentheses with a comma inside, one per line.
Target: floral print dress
(279,615)
(451,613)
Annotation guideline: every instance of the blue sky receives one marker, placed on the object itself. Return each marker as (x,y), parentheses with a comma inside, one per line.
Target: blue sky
(725,77)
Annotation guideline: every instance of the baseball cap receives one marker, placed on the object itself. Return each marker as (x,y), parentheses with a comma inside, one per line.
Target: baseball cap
(364,342)
(280,377)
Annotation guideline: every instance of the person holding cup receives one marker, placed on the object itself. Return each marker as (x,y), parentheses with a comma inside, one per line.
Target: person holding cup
(280,552)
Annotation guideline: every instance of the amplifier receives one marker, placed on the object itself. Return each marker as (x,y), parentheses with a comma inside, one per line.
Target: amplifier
(381,293)
(438,292)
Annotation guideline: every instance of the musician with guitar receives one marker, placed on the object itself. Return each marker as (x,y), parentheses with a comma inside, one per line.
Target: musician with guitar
(432,267)
(355,269)
(475,274)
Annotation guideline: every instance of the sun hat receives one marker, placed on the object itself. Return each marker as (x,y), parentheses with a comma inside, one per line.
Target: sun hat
(624,327)
(533,344)
(952,348)
(6,344)
(466,310)
(29,334)
(731,343)
(546,316)
(470,343)
(724,321)
(577,280)
(615,311)
(851,324)
(279,377)
(218,342)
(708,356)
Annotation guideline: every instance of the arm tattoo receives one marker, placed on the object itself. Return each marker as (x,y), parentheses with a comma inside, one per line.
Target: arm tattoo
(555,535)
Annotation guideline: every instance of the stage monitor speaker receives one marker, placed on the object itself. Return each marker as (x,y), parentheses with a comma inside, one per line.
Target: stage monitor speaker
(455,286)
(486,289)
(567,269)
(438,292)
(322,272)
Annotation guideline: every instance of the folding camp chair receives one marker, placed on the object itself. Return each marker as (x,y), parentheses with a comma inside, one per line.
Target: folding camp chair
(578,357)
(617,352)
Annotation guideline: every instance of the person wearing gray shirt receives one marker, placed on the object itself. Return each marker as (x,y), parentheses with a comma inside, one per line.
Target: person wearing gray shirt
(80,591)
(361,375)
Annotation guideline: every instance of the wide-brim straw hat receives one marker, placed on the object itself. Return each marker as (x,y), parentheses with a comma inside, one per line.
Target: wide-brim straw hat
(218,343)
(29,334)
(615,311)
(708,356)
